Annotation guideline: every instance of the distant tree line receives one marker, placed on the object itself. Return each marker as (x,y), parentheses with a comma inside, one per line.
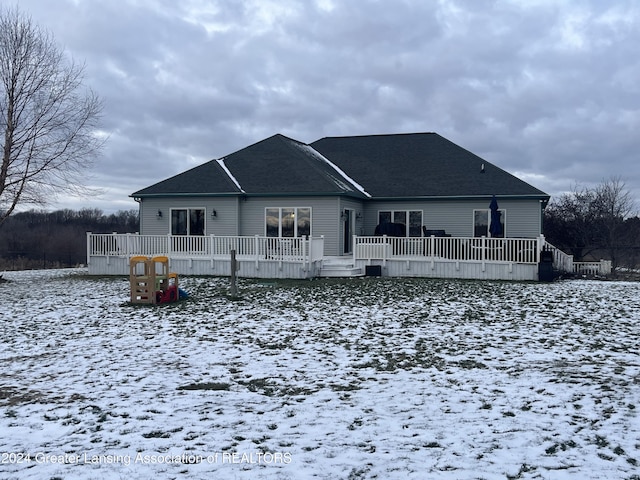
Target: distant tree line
(40,239)
(596,223)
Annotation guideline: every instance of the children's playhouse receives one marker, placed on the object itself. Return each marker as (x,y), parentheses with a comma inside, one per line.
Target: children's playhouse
(151,282)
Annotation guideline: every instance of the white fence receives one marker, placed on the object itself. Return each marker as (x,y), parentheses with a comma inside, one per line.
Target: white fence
(128,244)
(603,267)
(564,263)
(483,249)
(480,249)
(297,250)
(307,253)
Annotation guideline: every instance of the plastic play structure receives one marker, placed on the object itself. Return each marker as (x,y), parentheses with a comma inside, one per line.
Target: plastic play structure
(151,282)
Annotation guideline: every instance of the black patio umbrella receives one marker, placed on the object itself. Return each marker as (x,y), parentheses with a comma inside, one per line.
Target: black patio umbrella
(495,227)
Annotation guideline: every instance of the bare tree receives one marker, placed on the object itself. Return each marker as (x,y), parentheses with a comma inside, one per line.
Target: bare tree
(615,204)
(593,221)
(570,221)
(48,119)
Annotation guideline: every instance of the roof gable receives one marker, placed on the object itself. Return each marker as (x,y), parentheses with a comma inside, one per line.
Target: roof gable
(419,165)
(281,165)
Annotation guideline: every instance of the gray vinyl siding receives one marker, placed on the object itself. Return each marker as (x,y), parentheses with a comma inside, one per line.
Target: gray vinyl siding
(523,217)
(246,216)
(325,217)
(224,223)
(150,224)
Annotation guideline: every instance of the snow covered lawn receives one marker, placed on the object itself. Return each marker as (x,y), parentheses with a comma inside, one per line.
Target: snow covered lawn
(324,379)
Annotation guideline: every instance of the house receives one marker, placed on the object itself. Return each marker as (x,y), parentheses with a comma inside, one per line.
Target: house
(341,186)
(278,193)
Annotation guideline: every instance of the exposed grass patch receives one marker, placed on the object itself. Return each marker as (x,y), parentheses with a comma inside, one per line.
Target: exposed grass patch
(12,396)
(469,364)
(619,450)
(432,445)
(157,434)
(205,386)
(161,433)
(601,442)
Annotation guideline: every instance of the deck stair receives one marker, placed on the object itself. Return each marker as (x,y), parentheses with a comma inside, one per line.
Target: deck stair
(340,267)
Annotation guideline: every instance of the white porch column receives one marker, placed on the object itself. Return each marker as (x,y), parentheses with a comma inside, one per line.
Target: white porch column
(541,243)
(88,248)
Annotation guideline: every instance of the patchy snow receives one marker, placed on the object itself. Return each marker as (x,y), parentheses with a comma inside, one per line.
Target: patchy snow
(324,379)
(314,153)
(228,172)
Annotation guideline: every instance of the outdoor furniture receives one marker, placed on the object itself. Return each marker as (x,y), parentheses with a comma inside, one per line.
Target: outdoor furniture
(434,233)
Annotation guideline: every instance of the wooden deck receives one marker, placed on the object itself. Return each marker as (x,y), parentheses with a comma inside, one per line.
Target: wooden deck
(268,257)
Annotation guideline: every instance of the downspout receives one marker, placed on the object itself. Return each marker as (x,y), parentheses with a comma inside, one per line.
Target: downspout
(543,205)
(238,216)
(138,200)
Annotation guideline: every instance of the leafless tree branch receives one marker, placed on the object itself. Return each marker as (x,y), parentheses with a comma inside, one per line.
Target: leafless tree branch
(48,120)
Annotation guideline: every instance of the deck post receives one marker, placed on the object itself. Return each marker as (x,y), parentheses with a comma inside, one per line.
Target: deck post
(355,248)
(88,248)
(384,250)
(234,286)
(305,258)
(541,244)
(432,250)
(256,249)
(483,252)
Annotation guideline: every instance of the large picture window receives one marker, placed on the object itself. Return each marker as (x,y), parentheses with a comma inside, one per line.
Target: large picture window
(187,221)
(481,222)
(288,221)
(412,219)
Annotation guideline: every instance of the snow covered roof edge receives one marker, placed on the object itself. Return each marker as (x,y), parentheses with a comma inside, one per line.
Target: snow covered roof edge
(355,184)
(229,174)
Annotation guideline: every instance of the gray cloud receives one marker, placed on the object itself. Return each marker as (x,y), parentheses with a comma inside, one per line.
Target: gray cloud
(544,89)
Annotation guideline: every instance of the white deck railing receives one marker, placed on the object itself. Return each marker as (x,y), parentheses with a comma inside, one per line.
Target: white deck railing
(603,267)
(564,262)
(300,249)
(308,250)
(484,249)
(561,260)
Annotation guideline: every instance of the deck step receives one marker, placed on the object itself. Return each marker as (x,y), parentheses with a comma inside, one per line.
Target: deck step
(340,269)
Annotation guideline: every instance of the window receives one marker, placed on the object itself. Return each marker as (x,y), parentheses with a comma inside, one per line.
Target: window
(481,222)
(414,218)
(415,223)
(187,221)
(288,222)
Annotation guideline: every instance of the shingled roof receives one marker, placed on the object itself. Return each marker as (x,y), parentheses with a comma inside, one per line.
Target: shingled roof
(207,179)
(281,165)
(277,165)
(417,165)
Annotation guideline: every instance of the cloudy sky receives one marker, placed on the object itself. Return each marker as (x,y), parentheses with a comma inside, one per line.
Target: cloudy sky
(549,90)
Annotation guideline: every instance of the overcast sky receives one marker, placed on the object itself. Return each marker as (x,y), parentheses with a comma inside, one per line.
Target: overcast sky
(548,90)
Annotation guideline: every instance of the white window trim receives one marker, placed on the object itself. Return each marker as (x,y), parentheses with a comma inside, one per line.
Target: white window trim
(204,230)
(408,218)
(295,223)
(488,210)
